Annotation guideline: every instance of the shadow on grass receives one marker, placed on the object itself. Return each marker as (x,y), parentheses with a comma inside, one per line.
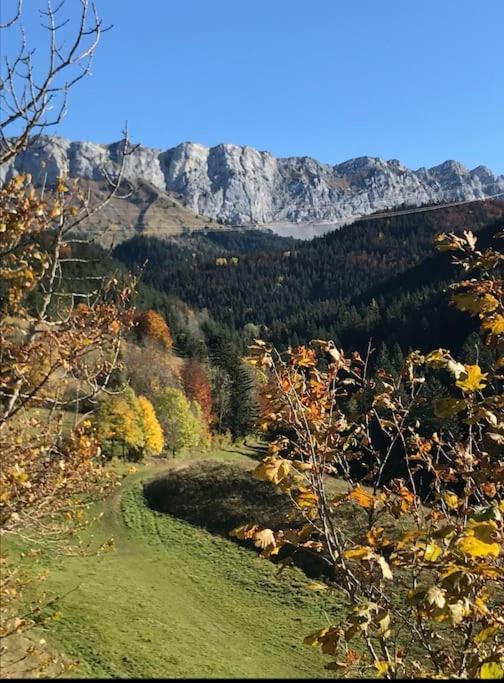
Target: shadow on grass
(222,496)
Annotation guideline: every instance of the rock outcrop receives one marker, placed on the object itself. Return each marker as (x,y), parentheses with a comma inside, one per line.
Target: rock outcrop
(240,185)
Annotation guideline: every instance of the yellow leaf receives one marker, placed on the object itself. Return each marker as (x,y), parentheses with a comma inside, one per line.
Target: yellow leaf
(480,540)
(385,568)
(384,401)
(272,549)
(244,532)
(301,466)
(314,638)
(381,668)
(474,381)
(451,500)
(437,358)
(358,553)
(474,304)
(495,324)
(486,633)
(436,596)
(264,538)
(382,621)
(492,670)
(481,607)
(306,499)
(457,611)
(432,552)
(327,637)
(272,469)
(362,498)
(455,368)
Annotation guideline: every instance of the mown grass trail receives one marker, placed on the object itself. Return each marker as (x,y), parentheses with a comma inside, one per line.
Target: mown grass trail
(175,601)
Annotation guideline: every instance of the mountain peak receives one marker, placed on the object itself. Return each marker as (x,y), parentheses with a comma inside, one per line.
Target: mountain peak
(237,184)
(450,166)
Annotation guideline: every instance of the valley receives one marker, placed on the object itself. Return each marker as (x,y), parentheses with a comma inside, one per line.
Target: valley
(251,350)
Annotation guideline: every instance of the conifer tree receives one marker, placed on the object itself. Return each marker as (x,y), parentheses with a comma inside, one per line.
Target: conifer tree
(244,403)
(221,384)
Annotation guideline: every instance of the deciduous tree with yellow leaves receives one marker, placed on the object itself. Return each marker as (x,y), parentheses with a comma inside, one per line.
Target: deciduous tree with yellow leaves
(152,325)
(422,568)
(56,330)
(153,434)
(120,421)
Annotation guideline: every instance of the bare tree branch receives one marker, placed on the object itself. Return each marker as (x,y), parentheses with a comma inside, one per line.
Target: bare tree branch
(27,98)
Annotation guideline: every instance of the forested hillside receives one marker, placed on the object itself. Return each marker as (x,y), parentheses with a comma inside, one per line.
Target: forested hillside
(197,248)
(375,278)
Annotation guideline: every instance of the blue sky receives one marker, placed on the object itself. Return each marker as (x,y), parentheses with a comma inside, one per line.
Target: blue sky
(417,80)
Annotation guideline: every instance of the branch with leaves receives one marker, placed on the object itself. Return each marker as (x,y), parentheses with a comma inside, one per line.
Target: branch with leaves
(424,553)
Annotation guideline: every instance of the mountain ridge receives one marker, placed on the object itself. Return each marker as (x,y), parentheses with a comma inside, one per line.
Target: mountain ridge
(239,185)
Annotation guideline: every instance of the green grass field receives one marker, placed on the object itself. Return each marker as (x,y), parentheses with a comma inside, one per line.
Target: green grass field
(175,601)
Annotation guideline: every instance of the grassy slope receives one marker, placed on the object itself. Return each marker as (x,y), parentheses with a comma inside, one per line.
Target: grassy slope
(175,601)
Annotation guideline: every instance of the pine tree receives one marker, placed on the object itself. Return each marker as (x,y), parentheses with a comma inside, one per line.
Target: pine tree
(244,402)
(221,389)
(383,359)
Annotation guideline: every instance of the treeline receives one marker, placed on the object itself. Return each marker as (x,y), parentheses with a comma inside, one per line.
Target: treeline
(178,364)
(376,278)
(197,248)
(161,403)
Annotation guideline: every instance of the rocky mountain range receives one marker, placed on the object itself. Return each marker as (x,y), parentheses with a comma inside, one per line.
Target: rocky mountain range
(238,185)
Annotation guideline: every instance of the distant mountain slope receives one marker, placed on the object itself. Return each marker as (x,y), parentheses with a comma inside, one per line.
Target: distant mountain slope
(240,185)
(346,285)
(147,211)
(197,248)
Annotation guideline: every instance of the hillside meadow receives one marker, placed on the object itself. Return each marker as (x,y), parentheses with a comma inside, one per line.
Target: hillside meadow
(173,600)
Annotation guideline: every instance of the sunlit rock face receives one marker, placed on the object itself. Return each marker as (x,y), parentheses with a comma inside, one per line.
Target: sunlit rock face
(240,185)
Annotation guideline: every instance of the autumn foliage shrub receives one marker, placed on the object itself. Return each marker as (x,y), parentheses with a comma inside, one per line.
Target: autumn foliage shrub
(153,434)
(425,595)
(50,341)
(197,388)
(151,325)
(130,422)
